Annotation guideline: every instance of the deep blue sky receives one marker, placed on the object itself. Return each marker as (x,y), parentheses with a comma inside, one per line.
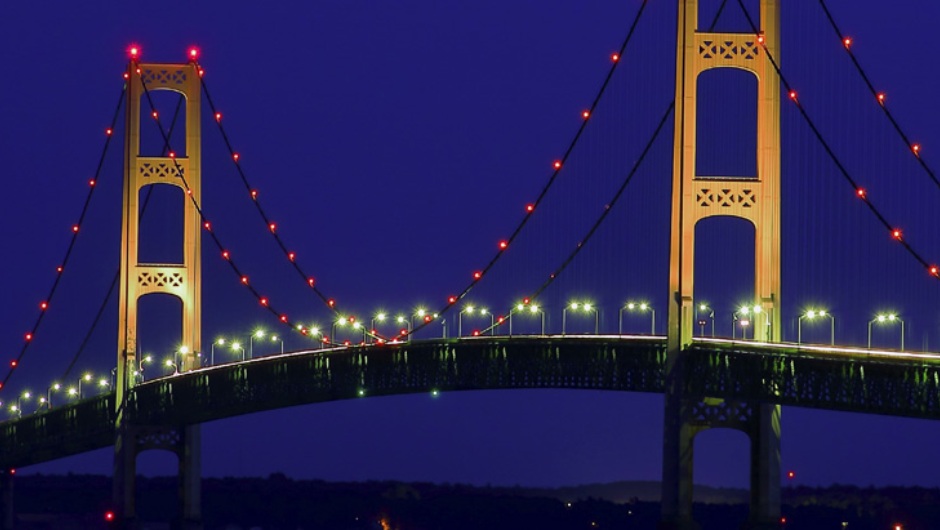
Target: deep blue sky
(395,144)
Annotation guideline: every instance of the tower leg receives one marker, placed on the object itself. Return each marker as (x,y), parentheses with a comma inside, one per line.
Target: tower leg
(7,515)
(190,478)
(678,442)
(123,485)
(765,468)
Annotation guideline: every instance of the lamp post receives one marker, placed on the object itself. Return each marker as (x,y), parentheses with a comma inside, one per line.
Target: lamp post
(87,378)
(743,315)
(532,309)
(406,332)
(169,363)
(381,317)
(238,346)
(811,315)
(55,387)
(220,342)
(703,308)
(470,310)
(587,307)
(886,318)
(103,383)
(278,338)
(258,334)
(315,332)
(146,359)
(641,307)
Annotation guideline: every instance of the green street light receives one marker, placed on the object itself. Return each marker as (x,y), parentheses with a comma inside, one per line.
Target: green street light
(532,309)
(709,314)
(886,318)
(236,346)
(585,307)
(742,317)
(641,307)
(220,342)
(813,314)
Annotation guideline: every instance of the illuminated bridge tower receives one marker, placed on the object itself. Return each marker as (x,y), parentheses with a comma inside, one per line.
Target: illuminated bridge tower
(181,280)
(695,197)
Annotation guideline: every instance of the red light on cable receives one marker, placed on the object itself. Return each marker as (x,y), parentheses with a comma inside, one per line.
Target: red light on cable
(427,318)
(503,245)
(284,319)
(847,42)
(477,275)
(59,269)
(202,72)
(881,98)
(934,270)
(586,114)
(172,154)
(13,364)
(154,114)
(760,39)
(75,228)
(91,183)
(207,226)
(331,302)
(245,280)
(108,132)
(793,95)
(226,255)
(254,194)
(310,282)
(615,57)
(861,193)
(791,474)
(916,149)
(109,516)
(557,164)
(44,305)
(291,256)
(451,299)
(218,116)
(525,301)
(235,157)
(126,76)
(263,301)
(896,234)
(529,208)
(272,227)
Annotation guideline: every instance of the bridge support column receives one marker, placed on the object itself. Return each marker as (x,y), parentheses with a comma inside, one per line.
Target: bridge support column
(7,515)
(182,441)
(765,467)
(685,418)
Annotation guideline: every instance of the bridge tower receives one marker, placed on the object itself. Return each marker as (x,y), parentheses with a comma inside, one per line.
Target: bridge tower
(696,197)
(181,280)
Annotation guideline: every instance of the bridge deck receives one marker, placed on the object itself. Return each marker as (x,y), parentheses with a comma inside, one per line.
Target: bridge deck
(893,383)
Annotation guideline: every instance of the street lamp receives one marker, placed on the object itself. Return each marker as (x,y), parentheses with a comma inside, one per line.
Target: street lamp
(703,308)
(103,383)
(238,346)
(532,309)
(278,338)
(811,315)
(86,378)
(587,307)
(641,307)
(743,315)
(169,363)
(315,332)
(470,310)
(56,387)
(258,334)
(146,359)
(218,342)
(381,317)
(406,331)
(886,318)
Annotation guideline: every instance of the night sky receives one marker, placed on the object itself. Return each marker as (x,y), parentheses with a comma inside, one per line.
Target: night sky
(395,143)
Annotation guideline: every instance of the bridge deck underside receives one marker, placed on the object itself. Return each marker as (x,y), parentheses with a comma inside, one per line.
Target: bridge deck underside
(731,371)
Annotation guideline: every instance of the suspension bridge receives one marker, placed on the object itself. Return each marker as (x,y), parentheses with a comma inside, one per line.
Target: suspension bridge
(737,377)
